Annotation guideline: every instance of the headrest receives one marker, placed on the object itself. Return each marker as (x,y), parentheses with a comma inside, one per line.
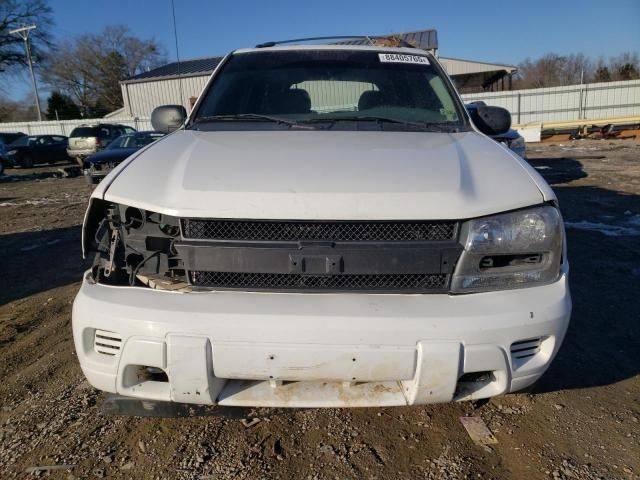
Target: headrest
(293,101)
(370,99)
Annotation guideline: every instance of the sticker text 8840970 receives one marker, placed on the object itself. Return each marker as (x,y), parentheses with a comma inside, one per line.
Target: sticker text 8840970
(403,58)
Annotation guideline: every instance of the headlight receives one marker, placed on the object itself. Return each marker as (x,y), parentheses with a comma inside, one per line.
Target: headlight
(12,152)
(510,250)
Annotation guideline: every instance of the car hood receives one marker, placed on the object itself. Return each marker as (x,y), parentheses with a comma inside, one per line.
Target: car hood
(115,155)
(325,175)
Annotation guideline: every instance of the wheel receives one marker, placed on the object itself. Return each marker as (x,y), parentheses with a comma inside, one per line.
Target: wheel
(1,167)
(27,162)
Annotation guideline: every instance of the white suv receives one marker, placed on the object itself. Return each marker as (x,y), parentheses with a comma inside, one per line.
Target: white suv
(327,228)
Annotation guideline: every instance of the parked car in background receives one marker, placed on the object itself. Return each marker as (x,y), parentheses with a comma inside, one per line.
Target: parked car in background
(98,165)
(87,139)
(26,151)
(511,138)
(7,138)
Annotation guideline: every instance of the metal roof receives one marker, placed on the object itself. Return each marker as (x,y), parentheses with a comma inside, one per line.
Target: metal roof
(423,39)
(197,66)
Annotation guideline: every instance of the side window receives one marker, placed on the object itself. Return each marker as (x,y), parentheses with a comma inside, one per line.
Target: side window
(44,141)
(104,132)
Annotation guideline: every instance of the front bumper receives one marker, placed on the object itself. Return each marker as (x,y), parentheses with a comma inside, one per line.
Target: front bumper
(93,177)
(11,160)
(315,350)
(81,153)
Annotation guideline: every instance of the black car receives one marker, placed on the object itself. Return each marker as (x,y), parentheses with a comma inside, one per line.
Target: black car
(6,138)
(98,165)
(28,150)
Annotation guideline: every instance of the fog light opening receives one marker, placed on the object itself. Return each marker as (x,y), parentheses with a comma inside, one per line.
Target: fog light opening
(144,374)
(473,382)
(157,374)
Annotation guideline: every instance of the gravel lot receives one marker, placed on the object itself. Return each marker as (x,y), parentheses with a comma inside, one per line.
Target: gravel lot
(580,422)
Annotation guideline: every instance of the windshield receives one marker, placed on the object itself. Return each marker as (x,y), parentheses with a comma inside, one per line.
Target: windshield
(132,141)
(340,89)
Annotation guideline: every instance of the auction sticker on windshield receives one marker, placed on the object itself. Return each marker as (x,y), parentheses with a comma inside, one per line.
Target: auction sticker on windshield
(402,58)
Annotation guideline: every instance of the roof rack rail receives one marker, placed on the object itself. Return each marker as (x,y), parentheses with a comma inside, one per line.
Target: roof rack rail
(368,38)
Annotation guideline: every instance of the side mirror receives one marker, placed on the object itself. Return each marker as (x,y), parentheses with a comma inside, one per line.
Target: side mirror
(168,118)
(491,120)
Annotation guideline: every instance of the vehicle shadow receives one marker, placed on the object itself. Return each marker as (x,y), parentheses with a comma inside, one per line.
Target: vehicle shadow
(603,340)
(9,177)
(559,170)
(34,262)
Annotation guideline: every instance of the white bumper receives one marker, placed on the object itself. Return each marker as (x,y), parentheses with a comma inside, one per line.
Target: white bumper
(316,350)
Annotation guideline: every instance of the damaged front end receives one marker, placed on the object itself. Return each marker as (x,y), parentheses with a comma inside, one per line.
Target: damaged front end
(133,247)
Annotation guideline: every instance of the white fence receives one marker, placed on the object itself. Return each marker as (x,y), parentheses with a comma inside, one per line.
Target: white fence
(573,102)
(64,127)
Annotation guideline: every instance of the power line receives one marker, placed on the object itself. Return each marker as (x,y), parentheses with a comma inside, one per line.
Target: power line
(175,36)
(24,34)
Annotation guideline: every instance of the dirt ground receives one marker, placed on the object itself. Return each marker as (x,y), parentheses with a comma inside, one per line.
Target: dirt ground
(580,422)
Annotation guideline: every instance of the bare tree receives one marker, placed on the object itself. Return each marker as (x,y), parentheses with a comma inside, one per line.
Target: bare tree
(544,72)
(18,13)
(17,111)
(67,71)
(90,67)
(553,70)
(576,68)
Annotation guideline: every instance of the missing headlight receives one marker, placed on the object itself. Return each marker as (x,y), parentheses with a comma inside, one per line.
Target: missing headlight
(133,246)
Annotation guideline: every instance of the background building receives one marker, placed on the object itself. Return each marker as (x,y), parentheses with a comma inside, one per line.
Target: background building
(176,83)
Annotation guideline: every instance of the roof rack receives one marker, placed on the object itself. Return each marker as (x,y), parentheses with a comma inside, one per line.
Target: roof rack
(368,38)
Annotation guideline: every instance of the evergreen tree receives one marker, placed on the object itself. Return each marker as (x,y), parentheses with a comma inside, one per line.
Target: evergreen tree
(64,106)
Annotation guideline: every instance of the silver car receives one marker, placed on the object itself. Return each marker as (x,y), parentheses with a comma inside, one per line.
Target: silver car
(87,139)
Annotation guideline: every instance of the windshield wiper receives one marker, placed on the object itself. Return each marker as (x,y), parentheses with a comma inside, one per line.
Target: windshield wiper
(244,117)
(431,126)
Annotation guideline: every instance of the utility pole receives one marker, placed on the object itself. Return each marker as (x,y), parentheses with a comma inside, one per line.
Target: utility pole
(24,34)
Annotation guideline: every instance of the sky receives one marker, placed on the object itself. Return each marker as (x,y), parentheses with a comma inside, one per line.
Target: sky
(496,31)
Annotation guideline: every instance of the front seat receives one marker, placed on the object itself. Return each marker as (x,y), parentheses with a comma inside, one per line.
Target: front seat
(293,101)
(297,101)
(371,99)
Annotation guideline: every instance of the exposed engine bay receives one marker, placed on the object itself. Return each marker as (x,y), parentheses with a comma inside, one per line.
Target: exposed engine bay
(133,247)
